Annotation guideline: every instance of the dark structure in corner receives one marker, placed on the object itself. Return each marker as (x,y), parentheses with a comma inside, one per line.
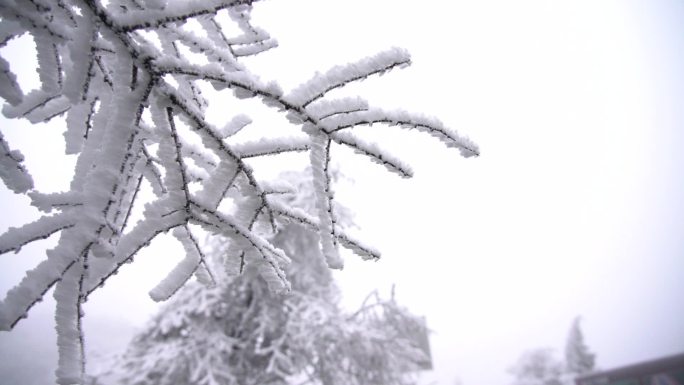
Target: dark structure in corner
(662,371)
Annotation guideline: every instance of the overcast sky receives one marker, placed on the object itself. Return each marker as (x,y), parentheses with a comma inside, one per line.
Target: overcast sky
(573,208)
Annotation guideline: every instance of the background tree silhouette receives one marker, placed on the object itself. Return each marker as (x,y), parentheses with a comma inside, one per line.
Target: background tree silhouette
(578,358)
(541,366)
(538,367)
(240,332)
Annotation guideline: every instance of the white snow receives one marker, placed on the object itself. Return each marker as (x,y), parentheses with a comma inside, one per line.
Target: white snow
(12,172)
(110,77)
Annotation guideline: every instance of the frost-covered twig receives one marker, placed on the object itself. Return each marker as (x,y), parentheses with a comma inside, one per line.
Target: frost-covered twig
(14,238)
(107,68)
(12,172)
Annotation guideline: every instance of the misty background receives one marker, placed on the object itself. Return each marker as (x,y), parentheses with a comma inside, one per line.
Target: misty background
(574,207)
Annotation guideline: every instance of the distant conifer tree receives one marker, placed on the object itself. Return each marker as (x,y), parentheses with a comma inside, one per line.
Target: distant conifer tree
(578,359)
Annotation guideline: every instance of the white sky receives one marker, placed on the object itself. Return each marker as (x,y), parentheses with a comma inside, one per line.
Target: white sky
(574,208)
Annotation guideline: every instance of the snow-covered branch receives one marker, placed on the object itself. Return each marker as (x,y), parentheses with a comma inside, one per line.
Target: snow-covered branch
(107,68)
(339,76)
(171,13)
(12,172)
(14,238)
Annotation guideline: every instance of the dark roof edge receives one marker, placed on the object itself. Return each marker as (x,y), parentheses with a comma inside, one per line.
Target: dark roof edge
(652,366)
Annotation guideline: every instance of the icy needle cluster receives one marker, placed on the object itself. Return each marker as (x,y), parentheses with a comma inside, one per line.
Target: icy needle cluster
(131,99)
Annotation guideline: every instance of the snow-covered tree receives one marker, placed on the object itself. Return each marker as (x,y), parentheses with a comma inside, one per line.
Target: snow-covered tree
(240,332)
(119,72)
(243,333)
(578,358)
(538,367)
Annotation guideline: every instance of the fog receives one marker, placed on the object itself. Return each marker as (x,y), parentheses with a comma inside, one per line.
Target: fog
(573,208)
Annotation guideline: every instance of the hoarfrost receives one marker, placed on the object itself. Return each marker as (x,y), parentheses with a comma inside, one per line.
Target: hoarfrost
(107,67)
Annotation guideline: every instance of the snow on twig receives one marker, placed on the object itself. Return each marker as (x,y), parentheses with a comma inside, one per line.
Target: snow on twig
(101,66)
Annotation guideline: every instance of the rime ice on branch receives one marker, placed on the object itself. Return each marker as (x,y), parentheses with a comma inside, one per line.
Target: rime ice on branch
(106,68)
